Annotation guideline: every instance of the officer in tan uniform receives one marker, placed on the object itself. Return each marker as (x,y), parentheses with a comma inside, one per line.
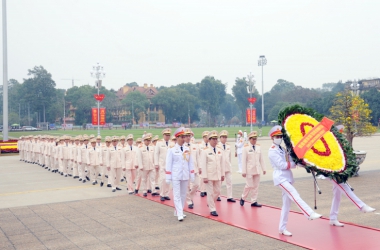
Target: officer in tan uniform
(103,161)
(160,162)
(193,186)
(202,145)
(139,171)
(93,160)
(157,170)
(252,166)
(130,163)
(74,157)
(82,159)
(226,149)
(212,162)
(114,163)
(99,141)
(145,157)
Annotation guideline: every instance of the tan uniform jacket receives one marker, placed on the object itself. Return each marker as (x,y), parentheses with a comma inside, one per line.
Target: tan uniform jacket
(129,157)
(213,164)
(160,152)
(145,158)
(82,154)
(252,160)
(105,155)
(227,156)
(93,156)
(64,152)
(114,157)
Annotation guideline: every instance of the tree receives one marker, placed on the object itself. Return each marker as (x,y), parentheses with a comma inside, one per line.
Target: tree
(177,103)
(140,104)
(372,97)
(229,107)
(211,93)
(273,113)
(354,114)
(132,84)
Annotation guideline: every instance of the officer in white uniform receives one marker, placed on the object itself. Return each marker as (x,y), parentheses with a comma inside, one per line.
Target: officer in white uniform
(283,178)
(179,169)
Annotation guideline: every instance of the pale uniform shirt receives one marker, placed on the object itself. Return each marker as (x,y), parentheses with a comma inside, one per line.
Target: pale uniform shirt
(160,153)
(226,150)
(252,162)
(145,157)
(129,157)
(282,172)
(239,145)
(213,163)
(179,164)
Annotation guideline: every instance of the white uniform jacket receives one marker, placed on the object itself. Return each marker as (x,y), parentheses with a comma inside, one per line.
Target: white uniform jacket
(129,157)
(179,165)
(239,145)
(278,160)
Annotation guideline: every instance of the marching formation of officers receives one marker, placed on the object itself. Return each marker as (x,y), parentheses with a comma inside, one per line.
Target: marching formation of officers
(151,165)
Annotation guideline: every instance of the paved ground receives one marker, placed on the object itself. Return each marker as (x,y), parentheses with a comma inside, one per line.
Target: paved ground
(41,210)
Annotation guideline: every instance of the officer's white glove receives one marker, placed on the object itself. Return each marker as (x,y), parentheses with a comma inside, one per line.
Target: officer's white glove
(168,182)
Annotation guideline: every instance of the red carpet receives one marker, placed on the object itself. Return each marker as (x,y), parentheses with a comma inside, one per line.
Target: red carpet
(317,234)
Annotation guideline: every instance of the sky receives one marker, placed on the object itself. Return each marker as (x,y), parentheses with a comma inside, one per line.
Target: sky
(168,42)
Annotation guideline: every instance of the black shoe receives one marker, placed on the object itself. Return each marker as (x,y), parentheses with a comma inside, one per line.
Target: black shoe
(131,192)
(191,206)
(154,194)
(76,177)
(202,194)
(149,191)
(113,190)
(49,169)
(136,191)
(65,175)
(219,199)
(109,185)
(255,204)
(205,193)
(70,175)
(94,183)
(99,175)
(231,200)
(118,188)
(61,173)
(106,176)
(157,188)
(85,171)
(162,198)
(167,198)
(80,179)
(46,167)
(87,178)
(101,184)
(145,195)
(214,213)
(241,202)
(84,181)
(121,180)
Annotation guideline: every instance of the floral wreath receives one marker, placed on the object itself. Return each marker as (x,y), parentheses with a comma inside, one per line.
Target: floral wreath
(331,156)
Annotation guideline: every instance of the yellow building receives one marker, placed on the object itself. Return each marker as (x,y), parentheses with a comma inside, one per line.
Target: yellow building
(154,113)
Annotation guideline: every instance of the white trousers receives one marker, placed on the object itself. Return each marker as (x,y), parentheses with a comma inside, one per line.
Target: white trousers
(213,192)
(228,179)
(130,176)
(94,172)
(115,175)
(179,195)
(338,190)
(239,162)
(289,194)
(147,179)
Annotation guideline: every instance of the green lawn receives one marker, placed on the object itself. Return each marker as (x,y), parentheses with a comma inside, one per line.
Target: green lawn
(136,132)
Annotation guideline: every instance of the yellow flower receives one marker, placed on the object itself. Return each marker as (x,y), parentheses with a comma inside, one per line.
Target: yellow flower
(328,155)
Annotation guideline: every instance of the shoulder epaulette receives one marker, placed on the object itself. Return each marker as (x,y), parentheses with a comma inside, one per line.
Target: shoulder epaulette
(246,145)
(273,146)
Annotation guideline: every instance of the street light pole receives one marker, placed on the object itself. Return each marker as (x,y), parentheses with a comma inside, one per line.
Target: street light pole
(250,89)
(5,73)
(355,92)
(64,111)
(98,73)
(262,62)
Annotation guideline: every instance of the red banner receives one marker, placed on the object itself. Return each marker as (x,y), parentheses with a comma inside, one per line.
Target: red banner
(102,116)
(250,115)
(94,116)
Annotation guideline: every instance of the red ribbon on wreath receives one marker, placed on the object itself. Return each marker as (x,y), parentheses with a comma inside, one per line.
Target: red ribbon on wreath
(99,97)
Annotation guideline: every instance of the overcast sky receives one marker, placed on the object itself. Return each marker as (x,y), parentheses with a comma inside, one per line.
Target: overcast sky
(164,42)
